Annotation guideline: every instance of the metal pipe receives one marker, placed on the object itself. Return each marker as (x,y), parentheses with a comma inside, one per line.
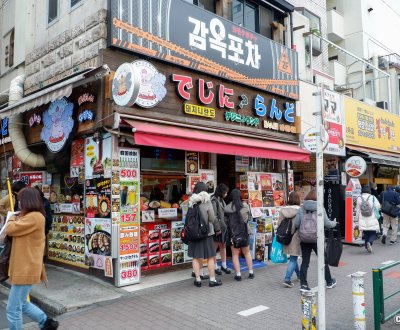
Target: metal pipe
(363,82)
(358,300)
(320,210)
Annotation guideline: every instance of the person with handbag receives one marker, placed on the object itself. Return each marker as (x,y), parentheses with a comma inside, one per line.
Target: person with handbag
(367,213)
(204,248)
(389,200)
(293,248)
(239,214)
(26,269)
(218,203)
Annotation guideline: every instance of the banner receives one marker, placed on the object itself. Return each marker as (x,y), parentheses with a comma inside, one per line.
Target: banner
(334,123)
(371,127)
(204,42)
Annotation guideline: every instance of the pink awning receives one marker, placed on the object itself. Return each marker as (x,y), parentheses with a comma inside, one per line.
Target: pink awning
(167,136)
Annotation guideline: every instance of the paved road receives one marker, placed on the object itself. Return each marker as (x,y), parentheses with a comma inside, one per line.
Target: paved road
(183,306)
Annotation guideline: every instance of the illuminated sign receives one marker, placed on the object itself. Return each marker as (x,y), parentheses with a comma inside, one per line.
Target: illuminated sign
(34,120)
(85,98)
(4,132)
(86,115)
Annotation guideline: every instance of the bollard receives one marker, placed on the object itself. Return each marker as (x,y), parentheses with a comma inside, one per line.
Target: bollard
(358,300)
(309,311)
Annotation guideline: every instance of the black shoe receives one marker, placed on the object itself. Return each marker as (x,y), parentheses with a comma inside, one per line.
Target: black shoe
(50,324)
(218,271)
(197,283)
(384,239)
(214,283)
(251,275)
(203,277)
(238,278)
(226,270)
(305,288)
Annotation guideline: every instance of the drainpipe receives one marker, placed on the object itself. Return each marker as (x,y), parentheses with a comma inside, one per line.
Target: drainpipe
(15,126)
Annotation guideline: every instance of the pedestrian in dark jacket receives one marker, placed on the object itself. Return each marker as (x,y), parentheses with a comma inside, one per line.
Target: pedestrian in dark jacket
(219,204)
(310,205)
(47,209)
(392,197)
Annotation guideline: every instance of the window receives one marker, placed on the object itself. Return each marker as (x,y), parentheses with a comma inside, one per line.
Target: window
(53,9)
(315,24)
(11,54)
(245,13)
(75,3)
(205,4)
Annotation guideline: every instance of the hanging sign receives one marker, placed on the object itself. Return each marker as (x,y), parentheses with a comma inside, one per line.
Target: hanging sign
(192,162)
(5,138)
(355,166)
(310,139)
(30,178)
(58,124)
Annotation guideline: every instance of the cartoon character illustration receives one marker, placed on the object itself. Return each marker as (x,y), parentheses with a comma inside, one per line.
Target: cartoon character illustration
(122,84)
(58,124)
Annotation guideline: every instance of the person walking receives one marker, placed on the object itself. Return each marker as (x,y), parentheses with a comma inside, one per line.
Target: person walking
(204,249)
(219,204)
(26,260)
(293,248)
(243,211)
(307,216)
(47,210)
(365,213)
(391,196)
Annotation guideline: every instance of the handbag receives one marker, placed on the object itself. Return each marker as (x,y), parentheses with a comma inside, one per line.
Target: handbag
(376,211)
(5,252)
(277,256)
(334,248)
(389,208)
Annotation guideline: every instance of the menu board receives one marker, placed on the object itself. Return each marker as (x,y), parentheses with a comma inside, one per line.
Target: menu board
(66,240)
(155,245)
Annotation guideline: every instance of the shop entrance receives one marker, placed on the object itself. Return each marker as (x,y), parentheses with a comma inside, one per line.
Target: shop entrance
(226,171)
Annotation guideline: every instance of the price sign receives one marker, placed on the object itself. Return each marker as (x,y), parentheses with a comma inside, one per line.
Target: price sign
(127,174)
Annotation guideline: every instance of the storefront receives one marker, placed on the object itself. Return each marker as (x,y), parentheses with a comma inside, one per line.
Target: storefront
(372,135)
(190,114)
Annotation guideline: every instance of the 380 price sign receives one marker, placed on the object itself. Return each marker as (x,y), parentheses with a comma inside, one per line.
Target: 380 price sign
(129,274)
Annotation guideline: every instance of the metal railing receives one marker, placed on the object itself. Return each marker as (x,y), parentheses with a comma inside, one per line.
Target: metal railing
(380,316)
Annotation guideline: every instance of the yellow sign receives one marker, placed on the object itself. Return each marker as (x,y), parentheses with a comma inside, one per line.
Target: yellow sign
(371,127)
(198,110)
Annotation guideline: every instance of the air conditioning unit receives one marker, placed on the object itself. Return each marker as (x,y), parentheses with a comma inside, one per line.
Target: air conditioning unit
(382,104)
(348,92)
(382,63)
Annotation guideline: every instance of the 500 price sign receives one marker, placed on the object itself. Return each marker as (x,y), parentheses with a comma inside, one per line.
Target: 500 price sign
(127,174)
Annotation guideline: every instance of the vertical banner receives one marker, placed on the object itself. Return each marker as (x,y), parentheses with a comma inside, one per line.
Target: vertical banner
(334,123)
(128,186)
(352,229)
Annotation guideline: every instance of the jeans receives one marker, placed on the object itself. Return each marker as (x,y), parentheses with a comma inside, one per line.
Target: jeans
(292,267)
(369,236)
(306,249)
(17,305)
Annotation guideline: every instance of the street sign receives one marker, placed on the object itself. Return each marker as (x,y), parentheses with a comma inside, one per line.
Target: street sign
(310,139)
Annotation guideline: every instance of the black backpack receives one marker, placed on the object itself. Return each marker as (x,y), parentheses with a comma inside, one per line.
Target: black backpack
(284,232)
(195,227)
(237,230)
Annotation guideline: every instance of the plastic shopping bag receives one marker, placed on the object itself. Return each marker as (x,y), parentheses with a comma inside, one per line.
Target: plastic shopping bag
(277,255)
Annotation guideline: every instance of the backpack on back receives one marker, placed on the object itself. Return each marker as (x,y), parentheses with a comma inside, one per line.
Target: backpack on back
(284,232)
(237,230)
(195,227)
(308,227)
(365,207)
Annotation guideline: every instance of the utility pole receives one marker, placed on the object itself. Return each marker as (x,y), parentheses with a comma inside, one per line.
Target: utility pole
(320,208)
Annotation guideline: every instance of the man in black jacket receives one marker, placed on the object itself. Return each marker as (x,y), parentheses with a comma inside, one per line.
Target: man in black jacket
(392,197)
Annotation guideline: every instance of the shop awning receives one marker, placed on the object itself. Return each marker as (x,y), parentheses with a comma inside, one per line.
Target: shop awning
(60,90)
(378,158)
(168,136)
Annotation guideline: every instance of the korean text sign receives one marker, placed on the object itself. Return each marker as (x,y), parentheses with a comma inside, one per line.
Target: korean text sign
(371,127)
(192,37)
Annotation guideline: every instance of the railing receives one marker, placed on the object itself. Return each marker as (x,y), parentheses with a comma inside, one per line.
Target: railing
(379,298)
(391,60)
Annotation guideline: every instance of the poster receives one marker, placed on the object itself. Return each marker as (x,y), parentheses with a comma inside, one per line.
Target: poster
(155,245)
(108,267)
(98,157)
(290,181)
(178,250)
(352,229)
(241,164)
(98,237)
(32,178)
(191,162)
(77,157)
(129,240)
(129,269)
(191,182)
(208,177)
(333,119)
